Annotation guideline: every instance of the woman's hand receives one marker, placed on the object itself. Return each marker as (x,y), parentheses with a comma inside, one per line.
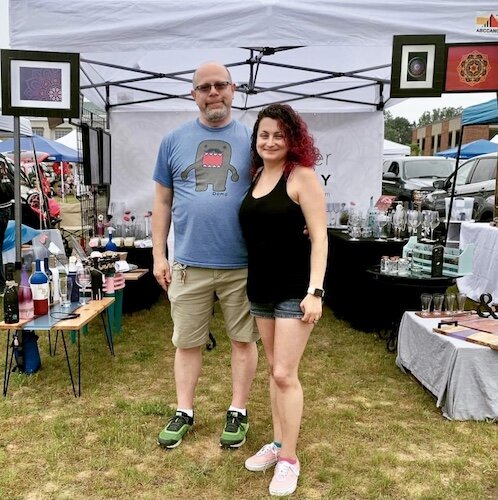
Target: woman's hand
(312,309)
(162,272)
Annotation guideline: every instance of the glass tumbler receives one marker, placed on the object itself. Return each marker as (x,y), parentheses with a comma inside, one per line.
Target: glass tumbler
(461,299)
(437,300)
(426,300)
(449,303)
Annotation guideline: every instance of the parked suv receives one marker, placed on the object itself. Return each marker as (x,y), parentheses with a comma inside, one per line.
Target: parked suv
(476,178)
(410,178)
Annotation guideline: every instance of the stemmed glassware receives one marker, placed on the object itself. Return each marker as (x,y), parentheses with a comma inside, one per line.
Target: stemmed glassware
(426,223)
(414,220)
(382,220)
(354,223)
(399,222)
(336,208)
(434,222)
(83,280)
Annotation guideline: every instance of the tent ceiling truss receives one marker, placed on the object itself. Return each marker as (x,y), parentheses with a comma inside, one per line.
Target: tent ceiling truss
(251,87)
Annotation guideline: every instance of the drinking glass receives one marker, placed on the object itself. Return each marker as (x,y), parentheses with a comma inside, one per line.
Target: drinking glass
(414,220)
(83,280)
(399,222)
(461,299)
(426,223)
(437,300)
(65,290)
(382,220)
(449,303)
(426,299)
(337,208)
(434,222)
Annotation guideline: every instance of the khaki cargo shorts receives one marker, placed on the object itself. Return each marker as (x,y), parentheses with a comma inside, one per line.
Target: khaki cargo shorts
(192,295)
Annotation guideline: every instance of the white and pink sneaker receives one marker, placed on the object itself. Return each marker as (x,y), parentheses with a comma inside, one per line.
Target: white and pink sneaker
(284,480)
(265,458)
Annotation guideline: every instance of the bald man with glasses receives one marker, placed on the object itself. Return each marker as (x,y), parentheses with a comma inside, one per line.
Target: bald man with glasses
(201,176)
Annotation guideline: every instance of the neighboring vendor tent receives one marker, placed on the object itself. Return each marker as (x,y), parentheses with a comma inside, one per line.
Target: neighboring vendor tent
(330,60)
(70,140)
(55,150)
(7,126)
(395,149)
(471,149)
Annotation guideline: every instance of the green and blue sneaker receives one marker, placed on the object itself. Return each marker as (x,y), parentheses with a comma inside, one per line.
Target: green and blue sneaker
(234,433)
(171,436)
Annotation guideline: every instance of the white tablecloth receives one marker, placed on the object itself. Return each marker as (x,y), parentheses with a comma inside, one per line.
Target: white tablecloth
(462,376)
(484,278)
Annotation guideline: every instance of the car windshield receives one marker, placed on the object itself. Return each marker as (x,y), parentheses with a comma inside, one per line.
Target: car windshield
(428,168)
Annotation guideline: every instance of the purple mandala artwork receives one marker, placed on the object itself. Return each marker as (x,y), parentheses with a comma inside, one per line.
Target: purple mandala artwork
(41,84)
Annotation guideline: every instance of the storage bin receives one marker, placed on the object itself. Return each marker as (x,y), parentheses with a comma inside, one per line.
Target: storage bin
(462,208)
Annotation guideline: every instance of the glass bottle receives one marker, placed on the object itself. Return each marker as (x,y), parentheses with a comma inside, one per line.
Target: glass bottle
(26,307)
(48,272)
(111,246)
(54,270)
(40,290)
(11,298)
(71,276)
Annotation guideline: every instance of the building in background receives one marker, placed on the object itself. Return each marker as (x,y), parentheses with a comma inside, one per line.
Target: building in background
(443,135)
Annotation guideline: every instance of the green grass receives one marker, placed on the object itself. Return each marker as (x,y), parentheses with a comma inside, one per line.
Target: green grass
(369,431)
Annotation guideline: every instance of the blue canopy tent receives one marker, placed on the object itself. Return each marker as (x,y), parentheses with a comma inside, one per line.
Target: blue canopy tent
(56,150)
(486,112)
(470,150)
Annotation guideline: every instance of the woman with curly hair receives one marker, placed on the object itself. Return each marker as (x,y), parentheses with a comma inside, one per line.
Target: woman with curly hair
(286,272)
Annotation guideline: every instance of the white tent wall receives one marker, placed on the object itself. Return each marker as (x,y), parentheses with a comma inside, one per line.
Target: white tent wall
(347,143)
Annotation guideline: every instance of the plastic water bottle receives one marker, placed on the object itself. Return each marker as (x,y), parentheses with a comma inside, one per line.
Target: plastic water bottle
(40,290)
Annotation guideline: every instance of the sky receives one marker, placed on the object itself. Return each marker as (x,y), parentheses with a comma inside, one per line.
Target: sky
(411,109)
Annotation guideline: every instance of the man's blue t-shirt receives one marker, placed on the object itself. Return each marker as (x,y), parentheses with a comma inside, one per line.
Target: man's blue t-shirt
(208,170)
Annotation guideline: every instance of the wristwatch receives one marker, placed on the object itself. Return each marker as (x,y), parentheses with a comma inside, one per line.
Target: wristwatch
(317,292)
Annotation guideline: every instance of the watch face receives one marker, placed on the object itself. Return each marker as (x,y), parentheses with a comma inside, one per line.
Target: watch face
(318,292)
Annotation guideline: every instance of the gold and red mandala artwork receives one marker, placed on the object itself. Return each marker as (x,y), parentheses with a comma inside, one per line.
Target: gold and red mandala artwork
(474,68)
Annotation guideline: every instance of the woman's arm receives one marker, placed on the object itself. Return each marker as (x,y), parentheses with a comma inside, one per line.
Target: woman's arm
(305,189)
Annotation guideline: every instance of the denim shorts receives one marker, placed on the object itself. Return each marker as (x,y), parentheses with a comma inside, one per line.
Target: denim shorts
(288,308)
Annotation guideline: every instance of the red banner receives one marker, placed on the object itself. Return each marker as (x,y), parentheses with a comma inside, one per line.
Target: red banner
(472,68)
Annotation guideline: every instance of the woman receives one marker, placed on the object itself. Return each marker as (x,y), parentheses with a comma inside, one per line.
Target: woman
(286,272)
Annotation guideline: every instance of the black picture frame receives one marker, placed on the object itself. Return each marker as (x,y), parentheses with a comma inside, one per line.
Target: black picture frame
(105,157)
(90,139)
(38,83)
(418,66)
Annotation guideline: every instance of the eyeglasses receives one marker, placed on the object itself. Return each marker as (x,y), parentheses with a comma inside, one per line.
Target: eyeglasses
(206,87)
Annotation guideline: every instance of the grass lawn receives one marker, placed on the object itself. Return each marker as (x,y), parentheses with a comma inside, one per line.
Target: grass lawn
(369,431)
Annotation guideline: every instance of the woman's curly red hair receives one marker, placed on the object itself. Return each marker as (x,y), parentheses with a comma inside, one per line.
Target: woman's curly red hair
(302,150)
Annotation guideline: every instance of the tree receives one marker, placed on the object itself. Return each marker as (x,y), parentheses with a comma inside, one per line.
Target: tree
(397,129)
(438,115)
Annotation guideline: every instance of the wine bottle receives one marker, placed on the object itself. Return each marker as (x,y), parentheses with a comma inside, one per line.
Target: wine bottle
(11,298)
(40,290)
(54,270)
(48,272)
(71,276)
(110,245)
(26,308)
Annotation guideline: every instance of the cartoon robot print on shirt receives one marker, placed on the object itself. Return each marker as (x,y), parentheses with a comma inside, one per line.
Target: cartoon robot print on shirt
(212,166)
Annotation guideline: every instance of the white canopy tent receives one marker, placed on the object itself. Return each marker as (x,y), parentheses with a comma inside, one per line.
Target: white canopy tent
(392,148)
(329,59)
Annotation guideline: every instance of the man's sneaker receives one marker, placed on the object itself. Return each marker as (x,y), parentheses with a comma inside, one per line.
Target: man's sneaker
(284,480)
(265,458)
(234,434)
(171,436)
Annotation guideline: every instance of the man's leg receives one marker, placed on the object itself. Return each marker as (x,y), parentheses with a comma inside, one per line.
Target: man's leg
(244,364)
(188,364)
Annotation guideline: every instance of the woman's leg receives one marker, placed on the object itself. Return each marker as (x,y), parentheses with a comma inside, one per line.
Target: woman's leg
(266,329)
(289,341)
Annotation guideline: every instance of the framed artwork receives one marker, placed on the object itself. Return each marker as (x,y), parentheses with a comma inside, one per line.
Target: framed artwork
(418,63)
(40,83)
(105,157)
(471,67)
(90,139)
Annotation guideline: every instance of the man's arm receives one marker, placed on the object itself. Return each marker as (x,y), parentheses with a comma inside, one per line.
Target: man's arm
(160,223)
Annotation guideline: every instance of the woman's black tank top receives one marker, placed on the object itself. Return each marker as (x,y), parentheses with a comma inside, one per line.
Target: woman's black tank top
(278,251)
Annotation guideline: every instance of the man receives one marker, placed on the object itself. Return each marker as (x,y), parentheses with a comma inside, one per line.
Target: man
(201,175)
